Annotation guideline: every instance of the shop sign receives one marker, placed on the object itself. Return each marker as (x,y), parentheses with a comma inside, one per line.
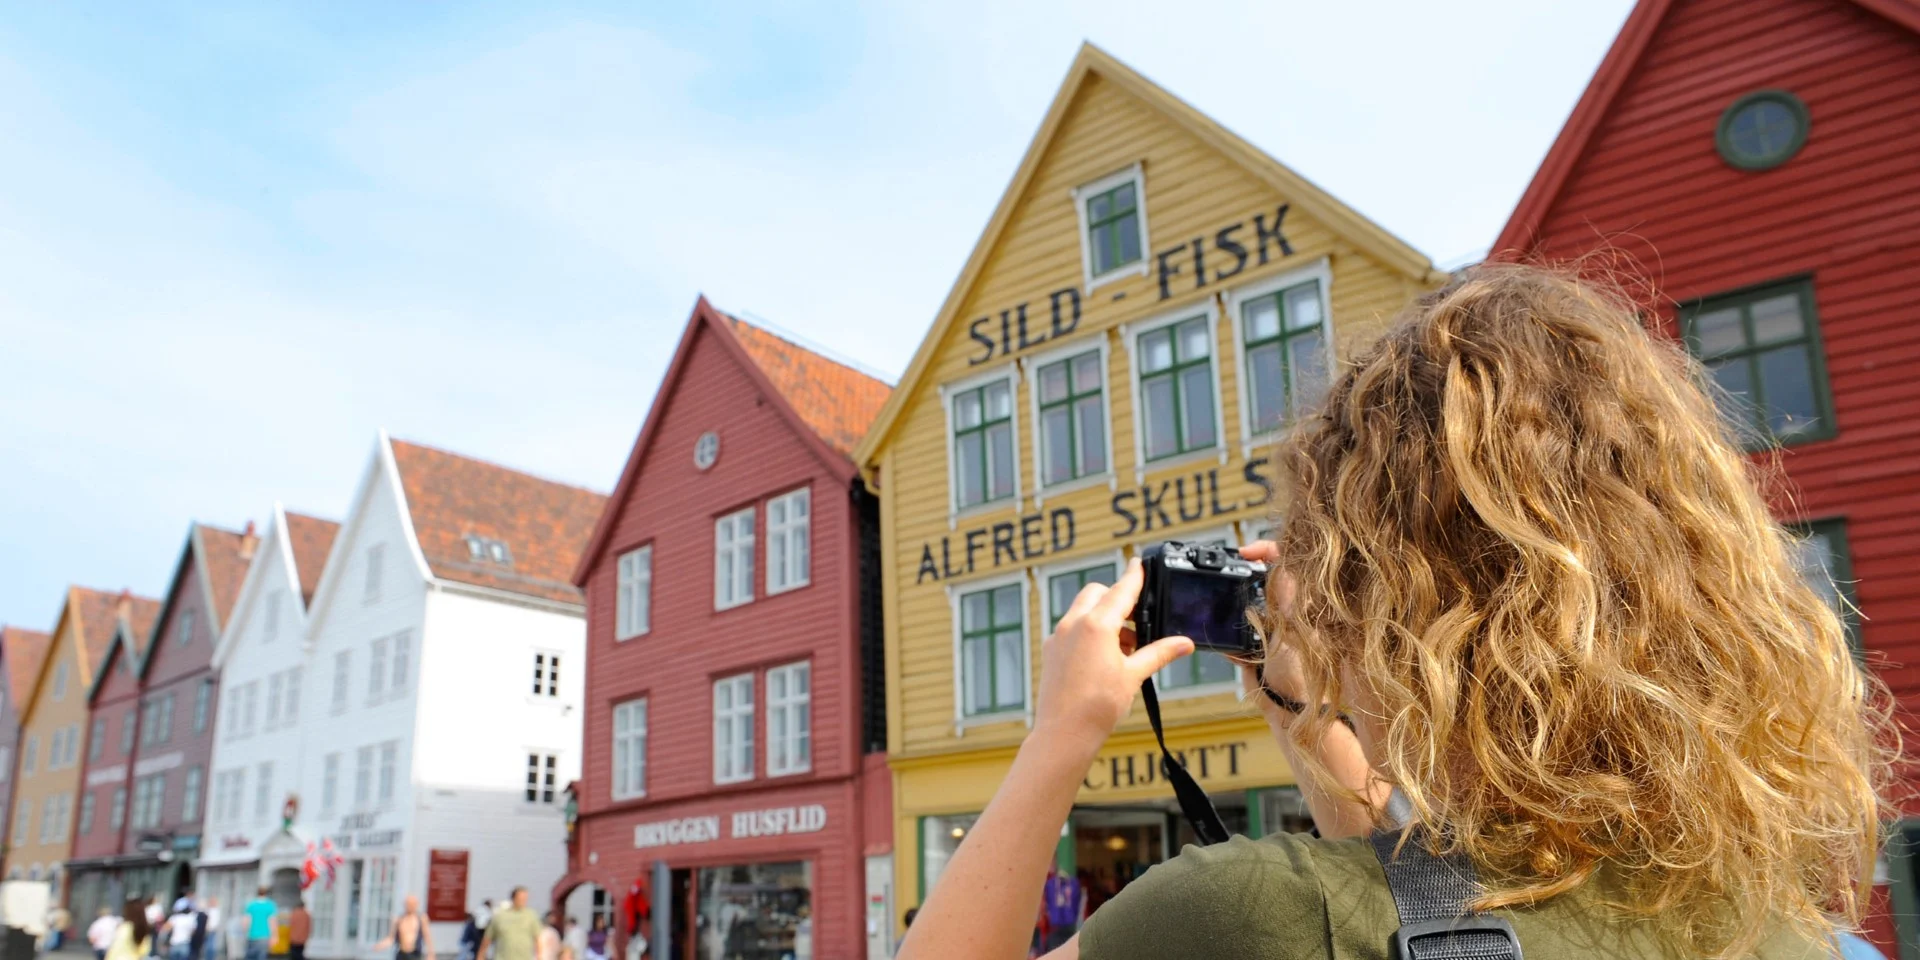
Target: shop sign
(668,833)
(359,830)
(166,761)
(100,775)
(780,820)
(773,822)
(1137,510)
(235,841)
(1205,762)
(1188,260)
(446,886)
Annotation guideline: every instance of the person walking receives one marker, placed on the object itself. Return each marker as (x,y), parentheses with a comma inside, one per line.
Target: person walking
(514,932)
(133,936)
(180,930)
(409,934)
(596,940)
(100,934)
(551,945)
(58,920)
(210,945)
(299,930)
(260,916)
(156,924)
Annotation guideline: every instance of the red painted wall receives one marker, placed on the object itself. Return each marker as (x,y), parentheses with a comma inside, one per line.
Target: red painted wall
(179,666)
(1845,210)
(674,506)
(116,703)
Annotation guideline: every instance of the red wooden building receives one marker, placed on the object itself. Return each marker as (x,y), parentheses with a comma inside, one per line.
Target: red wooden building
(1758,161)
(732,777)
(150,735)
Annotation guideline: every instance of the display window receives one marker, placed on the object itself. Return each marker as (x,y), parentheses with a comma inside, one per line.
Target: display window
(755,911)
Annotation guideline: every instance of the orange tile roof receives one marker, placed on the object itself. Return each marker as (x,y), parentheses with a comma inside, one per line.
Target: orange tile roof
(312,539)
(544,525)
(225,561)
(98,613)
(835,400)
(24,651)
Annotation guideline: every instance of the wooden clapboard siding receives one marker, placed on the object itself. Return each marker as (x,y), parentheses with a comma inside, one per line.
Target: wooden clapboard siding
(1193,188)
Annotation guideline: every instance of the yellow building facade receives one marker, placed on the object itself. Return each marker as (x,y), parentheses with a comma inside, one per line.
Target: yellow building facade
(1150,301)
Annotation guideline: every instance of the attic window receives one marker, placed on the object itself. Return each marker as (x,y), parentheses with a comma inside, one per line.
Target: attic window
(486,549)
(1113,226)
(1762,130)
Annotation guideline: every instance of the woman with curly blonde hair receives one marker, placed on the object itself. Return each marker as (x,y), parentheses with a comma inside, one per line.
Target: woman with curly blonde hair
(1532,583)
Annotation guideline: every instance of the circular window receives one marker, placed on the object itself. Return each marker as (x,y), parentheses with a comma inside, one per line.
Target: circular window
(1762,130)
(706,450)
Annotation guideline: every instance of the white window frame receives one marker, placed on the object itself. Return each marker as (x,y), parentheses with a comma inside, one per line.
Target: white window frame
(263,792)
(1010,372)
(735,713)
(376,572)
(276,690)
(734,547)
(186,625)
(546,674)
(387,776)
(1130,334)
(270,629)
(377,670)
(954,592)
(330,783)
(1321,270)
(543,762)
(1043,576)
(191,791)
(1135,172)
(1251,530)
(342,680)
(789,706)
(1030,372)
(363,777)
(1231,535)
(785,532)
(633,601)
(629,782)
(400,663)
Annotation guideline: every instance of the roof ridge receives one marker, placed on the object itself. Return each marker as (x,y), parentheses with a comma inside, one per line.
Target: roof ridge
(762,324)
(490,463)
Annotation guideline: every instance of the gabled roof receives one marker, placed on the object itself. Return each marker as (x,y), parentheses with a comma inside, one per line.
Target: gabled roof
(543,524)
(1365,235)
(1615,69)
(829,404)
(224,556)
(130,639)
(96,616)
(24,651)
(309,538)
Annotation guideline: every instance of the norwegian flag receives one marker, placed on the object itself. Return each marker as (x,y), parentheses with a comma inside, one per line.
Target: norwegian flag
(330,860)
(321,860)
(310,867)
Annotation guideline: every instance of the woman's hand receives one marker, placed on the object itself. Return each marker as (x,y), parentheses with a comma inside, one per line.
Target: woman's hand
(1089,668)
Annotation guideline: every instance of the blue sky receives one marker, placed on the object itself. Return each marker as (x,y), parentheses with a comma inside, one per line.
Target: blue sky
(237,239)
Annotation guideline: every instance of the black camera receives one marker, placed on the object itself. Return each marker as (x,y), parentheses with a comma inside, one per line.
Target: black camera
(1201,592)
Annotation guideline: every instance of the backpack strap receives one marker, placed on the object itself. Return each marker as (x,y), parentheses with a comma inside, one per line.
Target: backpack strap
(1433,895)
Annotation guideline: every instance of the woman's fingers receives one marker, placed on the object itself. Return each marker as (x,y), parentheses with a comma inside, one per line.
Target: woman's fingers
(1263,550)
(1118,602)
(1148,660)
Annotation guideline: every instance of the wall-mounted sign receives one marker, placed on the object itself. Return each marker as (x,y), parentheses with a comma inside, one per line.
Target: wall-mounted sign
(100,775)
(235,841)
(1205,762)
(165,761)
(1137,510)
(706,450)
(446,886)
(361,831)
(772,822)
(1009,333)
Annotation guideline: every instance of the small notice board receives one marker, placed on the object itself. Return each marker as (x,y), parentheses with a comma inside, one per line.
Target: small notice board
(447,886)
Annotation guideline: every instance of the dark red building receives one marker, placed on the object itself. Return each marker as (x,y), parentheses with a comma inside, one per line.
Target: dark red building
(732,779)
(1758,160)
(153,703)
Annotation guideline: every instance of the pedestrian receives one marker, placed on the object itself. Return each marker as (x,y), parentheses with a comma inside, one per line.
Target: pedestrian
(260,920)
(469,938)
(197,943)
(133,936)
(58,920)
(409,933)
(552,945)
(514,932)
(299,929)
(216,934)
(596,941)
(100,934)
(180,926)
(1530,620)
(156,923)
(575,937)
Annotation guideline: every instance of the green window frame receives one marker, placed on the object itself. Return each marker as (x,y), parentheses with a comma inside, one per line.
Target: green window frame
(1763,347)
(1176,370)
(985,468)
(1903,882)
(1072,419)
(1824,558)
(993,650)
(1064,586)
(1286,346)
(1113,228)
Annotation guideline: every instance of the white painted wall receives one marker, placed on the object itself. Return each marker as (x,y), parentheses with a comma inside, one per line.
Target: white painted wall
(478,720)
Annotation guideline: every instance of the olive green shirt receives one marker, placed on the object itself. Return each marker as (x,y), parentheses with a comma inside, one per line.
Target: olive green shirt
(514,932)
(1294,897)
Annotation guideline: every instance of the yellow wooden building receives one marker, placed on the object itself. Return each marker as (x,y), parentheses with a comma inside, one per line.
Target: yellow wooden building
(1150,300)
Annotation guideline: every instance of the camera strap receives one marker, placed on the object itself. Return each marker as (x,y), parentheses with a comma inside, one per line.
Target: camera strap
(1194,803)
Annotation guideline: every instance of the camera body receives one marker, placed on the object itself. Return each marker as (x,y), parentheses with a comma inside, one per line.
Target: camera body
(1201,592)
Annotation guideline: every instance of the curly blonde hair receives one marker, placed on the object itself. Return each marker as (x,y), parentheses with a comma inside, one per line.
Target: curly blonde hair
(1519,523)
